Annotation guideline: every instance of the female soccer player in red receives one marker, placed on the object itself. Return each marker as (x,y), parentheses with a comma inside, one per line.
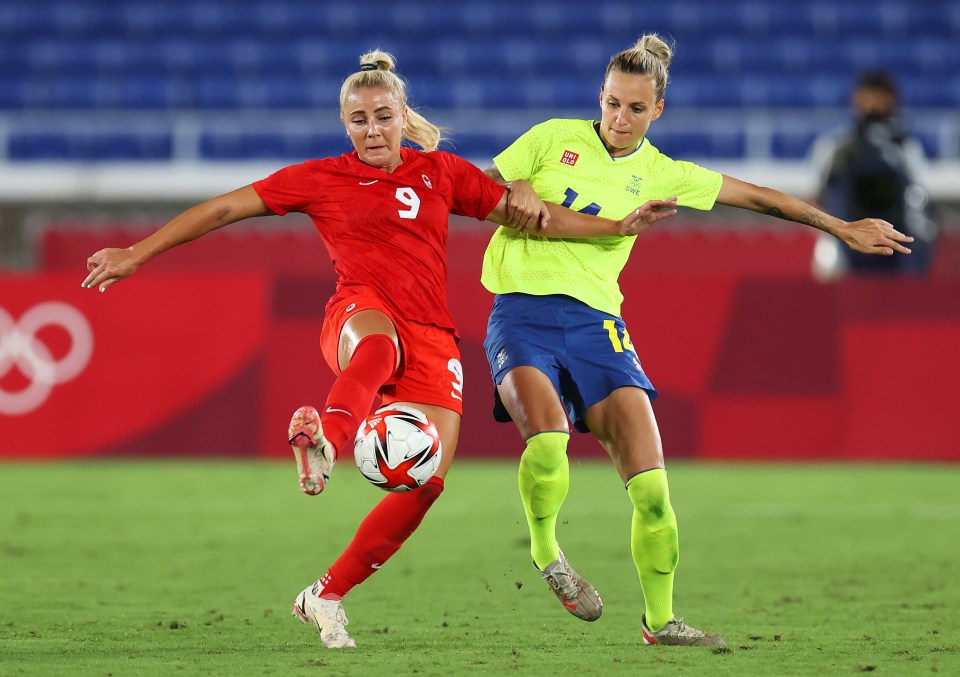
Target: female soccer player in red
(382,212)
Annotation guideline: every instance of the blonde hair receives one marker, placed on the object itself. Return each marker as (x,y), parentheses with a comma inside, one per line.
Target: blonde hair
(418,129)
(650,55)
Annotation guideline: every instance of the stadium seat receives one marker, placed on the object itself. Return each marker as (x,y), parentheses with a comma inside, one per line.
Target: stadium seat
(203,56)
(60,146)
(23,21)
(792,144)
(941,93)
(218,92)
(693,145)
(290,146)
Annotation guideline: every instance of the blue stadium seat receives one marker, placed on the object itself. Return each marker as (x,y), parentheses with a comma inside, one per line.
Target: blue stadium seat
(776,20)
(862,20)
(130,146)
(214,146)
(203,55)
(80,93)
(122,57)
(940,93)
(708,91)
(13,94)
(934,19)
(42,147)
(225,21)
(148,92)
(23,21)
(686,145)
(572,93)
(218,92)
(478,145)
(153,20)
(72,20)
(286,92)
(15,58)
(293,146)
(792,144)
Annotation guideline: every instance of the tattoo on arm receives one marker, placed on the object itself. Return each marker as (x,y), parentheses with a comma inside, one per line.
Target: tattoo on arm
(810,217)
(813,217)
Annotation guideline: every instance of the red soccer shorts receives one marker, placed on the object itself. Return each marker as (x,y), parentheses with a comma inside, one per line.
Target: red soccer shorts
(430,371)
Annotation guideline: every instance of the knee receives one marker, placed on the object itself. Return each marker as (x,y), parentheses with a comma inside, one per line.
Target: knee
(655,512)
(651,500)
(546,453)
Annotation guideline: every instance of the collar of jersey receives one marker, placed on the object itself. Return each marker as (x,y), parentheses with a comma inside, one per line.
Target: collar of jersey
(594,124)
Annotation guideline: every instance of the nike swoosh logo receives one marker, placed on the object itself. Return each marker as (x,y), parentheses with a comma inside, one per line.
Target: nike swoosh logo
(343,411)
(368,183)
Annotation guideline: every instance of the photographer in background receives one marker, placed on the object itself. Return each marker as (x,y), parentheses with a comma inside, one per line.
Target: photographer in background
(871,170)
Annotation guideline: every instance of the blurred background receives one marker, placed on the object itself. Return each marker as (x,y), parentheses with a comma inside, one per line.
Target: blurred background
(115,116)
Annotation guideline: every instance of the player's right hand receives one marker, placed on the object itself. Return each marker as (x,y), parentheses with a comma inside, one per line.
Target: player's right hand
(640,219)
(874,236)
(108,266)
(525,209)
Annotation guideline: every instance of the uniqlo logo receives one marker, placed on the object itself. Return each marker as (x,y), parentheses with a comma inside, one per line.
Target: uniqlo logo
(569,158)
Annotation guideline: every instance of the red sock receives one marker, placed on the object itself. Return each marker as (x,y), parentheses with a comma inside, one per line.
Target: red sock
(352,394)
(382,532)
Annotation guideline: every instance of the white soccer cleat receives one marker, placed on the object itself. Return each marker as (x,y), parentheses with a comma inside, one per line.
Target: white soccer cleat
(315,457)
(575,593)
(326,615)
(678,633)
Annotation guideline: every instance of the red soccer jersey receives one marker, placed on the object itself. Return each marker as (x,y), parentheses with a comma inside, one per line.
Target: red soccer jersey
(386,230)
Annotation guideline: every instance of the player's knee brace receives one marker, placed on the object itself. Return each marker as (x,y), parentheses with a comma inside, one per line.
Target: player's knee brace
(546,453)
(653,514)
(545,471)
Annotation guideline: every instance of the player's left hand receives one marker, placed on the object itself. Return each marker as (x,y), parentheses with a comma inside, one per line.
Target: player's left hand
(525,209)
(107,267)
(640,219)
(874,236)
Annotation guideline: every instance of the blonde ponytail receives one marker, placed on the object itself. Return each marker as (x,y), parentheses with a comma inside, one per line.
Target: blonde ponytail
(650,55)
(377,70)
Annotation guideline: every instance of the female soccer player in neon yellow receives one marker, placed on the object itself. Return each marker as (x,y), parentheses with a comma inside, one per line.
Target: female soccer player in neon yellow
(556,343)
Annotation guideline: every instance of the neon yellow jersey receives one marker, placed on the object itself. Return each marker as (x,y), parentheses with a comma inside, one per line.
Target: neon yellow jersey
(567,163)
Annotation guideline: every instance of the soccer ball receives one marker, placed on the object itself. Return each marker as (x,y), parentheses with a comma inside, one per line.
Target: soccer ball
(397,448)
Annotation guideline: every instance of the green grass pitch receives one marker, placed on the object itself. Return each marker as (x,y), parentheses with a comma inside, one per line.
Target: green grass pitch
(182,568)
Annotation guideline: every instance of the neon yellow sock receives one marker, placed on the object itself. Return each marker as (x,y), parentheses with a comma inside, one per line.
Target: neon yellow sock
(544,478)
(654,543)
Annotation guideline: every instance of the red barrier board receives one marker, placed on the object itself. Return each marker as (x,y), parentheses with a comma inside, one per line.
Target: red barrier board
(85,373)
(213,363)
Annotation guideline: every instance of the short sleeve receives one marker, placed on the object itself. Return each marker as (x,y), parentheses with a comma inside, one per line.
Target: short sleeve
(474,193)
(291,189)
(696,187)
(520,159)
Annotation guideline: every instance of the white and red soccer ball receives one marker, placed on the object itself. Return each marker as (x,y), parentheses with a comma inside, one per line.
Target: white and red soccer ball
(397,448)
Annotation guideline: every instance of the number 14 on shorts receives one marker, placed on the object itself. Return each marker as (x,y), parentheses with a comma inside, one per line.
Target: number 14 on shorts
(618,344)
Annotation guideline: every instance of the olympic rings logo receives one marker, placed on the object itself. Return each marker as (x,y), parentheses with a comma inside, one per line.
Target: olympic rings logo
(20,348)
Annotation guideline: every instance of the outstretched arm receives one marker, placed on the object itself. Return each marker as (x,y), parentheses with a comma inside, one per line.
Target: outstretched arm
(521,208)
(109,266)
(565,222)
(870,236)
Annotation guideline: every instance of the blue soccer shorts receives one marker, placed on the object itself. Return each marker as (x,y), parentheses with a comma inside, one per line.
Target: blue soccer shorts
(586,353)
